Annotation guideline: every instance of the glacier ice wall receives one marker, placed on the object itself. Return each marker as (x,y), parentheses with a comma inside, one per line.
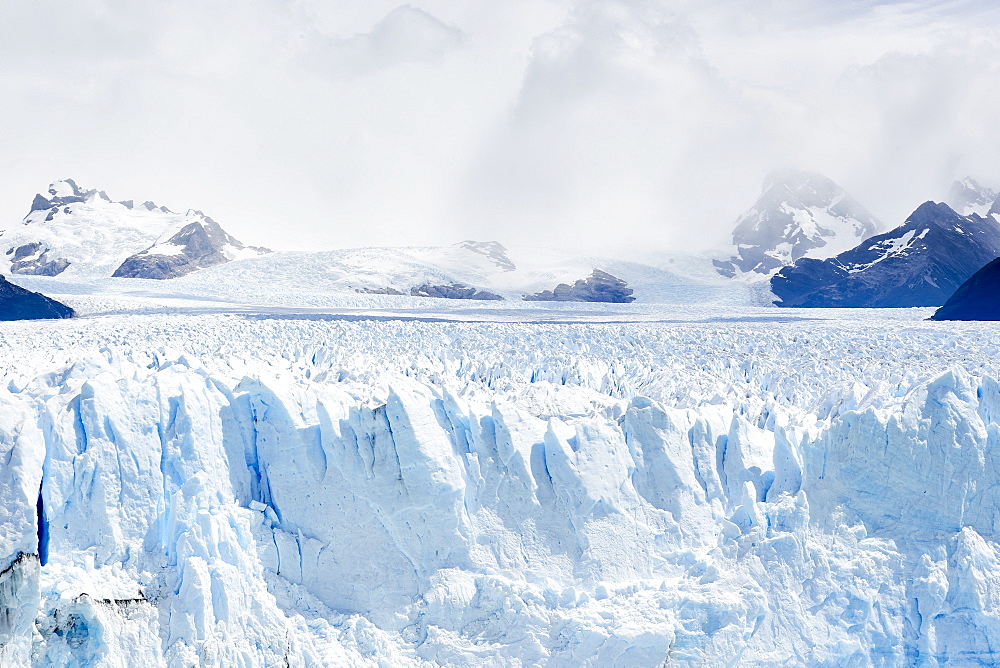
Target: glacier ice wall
(237,492)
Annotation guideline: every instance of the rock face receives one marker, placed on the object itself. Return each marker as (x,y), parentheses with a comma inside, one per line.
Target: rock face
(798,214)
(453,291)
(968,196)
(599,287)
(34,259)
(198,244)
(61,193)
(976,299)
(16,303)
(83,232)
(920,263)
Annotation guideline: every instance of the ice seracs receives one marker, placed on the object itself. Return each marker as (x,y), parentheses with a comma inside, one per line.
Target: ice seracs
(920,263)
(248,491)
(798,214)
(76,232)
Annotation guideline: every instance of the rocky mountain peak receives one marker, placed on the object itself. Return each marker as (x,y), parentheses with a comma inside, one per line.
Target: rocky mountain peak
(65,188)
(968,196)
(798,214)
(200,242)
(60,192)
(918,263)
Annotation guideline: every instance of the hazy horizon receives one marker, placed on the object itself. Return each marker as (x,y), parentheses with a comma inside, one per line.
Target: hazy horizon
(612,128)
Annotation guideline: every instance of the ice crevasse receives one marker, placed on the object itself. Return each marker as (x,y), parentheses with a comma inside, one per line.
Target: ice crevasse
(158,513)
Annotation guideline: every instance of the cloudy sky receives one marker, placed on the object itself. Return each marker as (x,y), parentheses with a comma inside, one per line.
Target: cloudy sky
(615,126)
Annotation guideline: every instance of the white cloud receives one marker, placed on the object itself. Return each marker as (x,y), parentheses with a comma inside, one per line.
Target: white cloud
(629,124)
(405,35)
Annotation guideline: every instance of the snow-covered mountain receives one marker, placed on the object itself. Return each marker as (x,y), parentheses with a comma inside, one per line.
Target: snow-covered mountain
(798,214)
(968,196)
(80,235)
(83,233)
(920,263)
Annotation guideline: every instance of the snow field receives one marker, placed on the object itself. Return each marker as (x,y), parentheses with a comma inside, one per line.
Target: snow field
(253,490)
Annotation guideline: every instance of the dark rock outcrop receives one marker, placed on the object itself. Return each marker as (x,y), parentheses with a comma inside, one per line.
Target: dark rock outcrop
(379,291)
(32,259)
(920,263)
(600,286)
(55,199)
(199,244)
(493,250)
(976,299)
(17,303)
(40,203)
(453,291)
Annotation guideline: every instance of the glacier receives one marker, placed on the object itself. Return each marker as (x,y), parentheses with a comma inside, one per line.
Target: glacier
(737,488)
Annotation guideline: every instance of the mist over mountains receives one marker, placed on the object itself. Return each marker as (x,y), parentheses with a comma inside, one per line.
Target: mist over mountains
(804,239)
(568,122)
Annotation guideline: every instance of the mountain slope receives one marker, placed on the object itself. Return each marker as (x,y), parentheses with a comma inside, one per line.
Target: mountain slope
(976,299)
(198,244)
(797,215)
(17,303)
(920,263)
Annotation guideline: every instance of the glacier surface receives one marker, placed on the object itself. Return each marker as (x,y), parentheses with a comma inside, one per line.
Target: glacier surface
(734,487)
